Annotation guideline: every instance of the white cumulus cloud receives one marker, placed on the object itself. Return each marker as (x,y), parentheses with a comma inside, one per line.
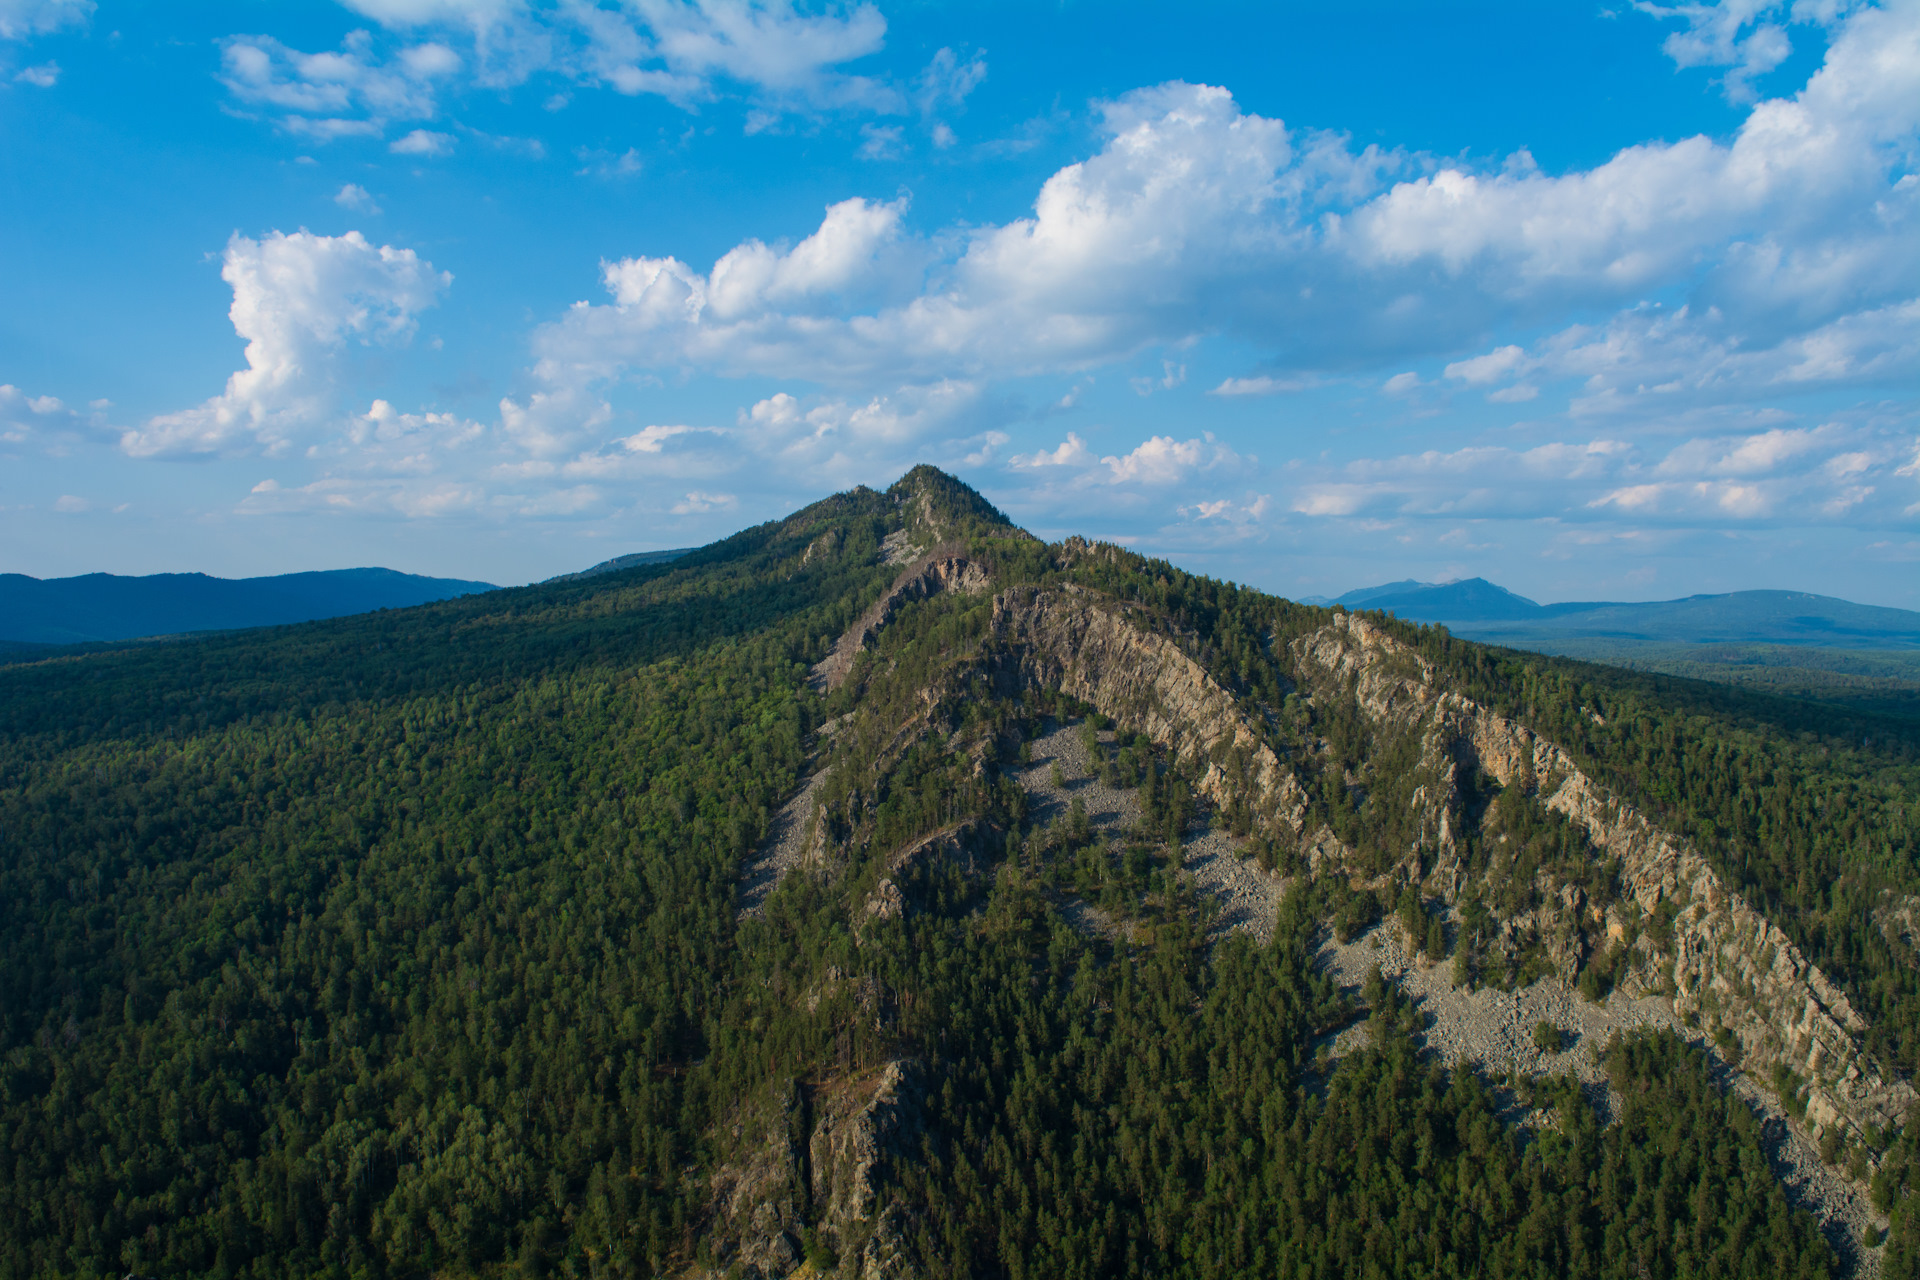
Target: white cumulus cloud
(297,300)
(1196,218)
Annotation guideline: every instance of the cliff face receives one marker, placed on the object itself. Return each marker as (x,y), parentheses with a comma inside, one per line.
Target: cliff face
(1685,934)
(1095,649)
(814,1168)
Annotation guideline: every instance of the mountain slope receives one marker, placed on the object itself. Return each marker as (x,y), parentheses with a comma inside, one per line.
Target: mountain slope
(104,606)
(632,561)
(422,941)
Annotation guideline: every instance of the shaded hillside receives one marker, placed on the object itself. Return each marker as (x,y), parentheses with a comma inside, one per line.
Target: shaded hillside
(633,560)
(105,606)
(413,943)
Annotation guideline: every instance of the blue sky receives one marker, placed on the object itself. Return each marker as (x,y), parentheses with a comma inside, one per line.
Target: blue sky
(1614,301)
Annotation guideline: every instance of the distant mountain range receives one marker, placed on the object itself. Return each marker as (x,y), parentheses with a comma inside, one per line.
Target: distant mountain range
(618,563)
(106,606)
(1480,610)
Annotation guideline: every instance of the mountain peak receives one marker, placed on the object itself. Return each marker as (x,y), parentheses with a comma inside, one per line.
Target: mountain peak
(945,507)
(1461,598)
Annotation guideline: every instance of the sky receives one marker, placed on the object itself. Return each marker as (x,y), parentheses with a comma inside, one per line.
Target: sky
(1602,300)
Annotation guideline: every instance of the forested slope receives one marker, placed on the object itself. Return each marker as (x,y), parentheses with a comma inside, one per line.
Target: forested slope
(408,944)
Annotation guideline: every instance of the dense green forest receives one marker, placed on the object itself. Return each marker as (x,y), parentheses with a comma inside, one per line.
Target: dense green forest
(1880,681)
(406,944)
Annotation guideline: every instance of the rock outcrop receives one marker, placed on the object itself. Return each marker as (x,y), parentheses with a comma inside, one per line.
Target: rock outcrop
(1090,647)
(945,568)
(958,845)
(815,1168)
(1693,939)
(862,1126)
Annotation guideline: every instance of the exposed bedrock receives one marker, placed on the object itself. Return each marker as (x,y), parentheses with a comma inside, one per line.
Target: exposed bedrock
(1725,961)
(817,1160)
(1090,647)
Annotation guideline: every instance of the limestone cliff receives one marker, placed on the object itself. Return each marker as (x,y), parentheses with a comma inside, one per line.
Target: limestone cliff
(1102,652)
(811,1182)
(1690,936)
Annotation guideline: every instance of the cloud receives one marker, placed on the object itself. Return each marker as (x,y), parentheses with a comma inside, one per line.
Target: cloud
(1228,512)
(71,505)
(423,142)
(879,142)
(698,503)
(1196,219)
(356,197)
(1718,35)
(1793,476)
(947,81)
(43,419)
(877,424)
(43,76)
(1749,37)
(352,92)
(682,50)
(1073,452)
(297,300)
(769,46)
(1058,291)
(604,164)
(1258,386)
(1492,367)
(368,496)
(1708,275)
(1163,460)
(553,422)
(23,19)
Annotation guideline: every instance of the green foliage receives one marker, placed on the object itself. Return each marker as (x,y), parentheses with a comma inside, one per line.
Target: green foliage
(389,942)
(407,944)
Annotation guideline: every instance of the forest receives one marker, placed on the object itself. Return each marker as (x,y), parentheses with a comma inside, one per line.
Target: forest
(406,944)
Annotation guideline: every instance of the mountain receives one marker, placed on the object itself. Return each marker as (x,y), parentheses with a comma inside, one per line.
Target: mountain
(882,892)
(105,606)
(1425,601)
(632,561)
(1481,610)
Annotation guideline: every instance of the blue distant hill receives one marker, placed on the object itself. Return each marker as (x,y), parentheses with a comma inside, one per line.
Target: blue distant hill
(636,560)
(1480,610)
(105,606)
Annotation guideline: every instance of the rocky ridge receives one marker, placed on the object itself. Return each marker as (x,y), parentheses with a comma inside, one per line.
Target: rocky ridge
(1696,950)
(945,568)
(1101,652)
(1724,963)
